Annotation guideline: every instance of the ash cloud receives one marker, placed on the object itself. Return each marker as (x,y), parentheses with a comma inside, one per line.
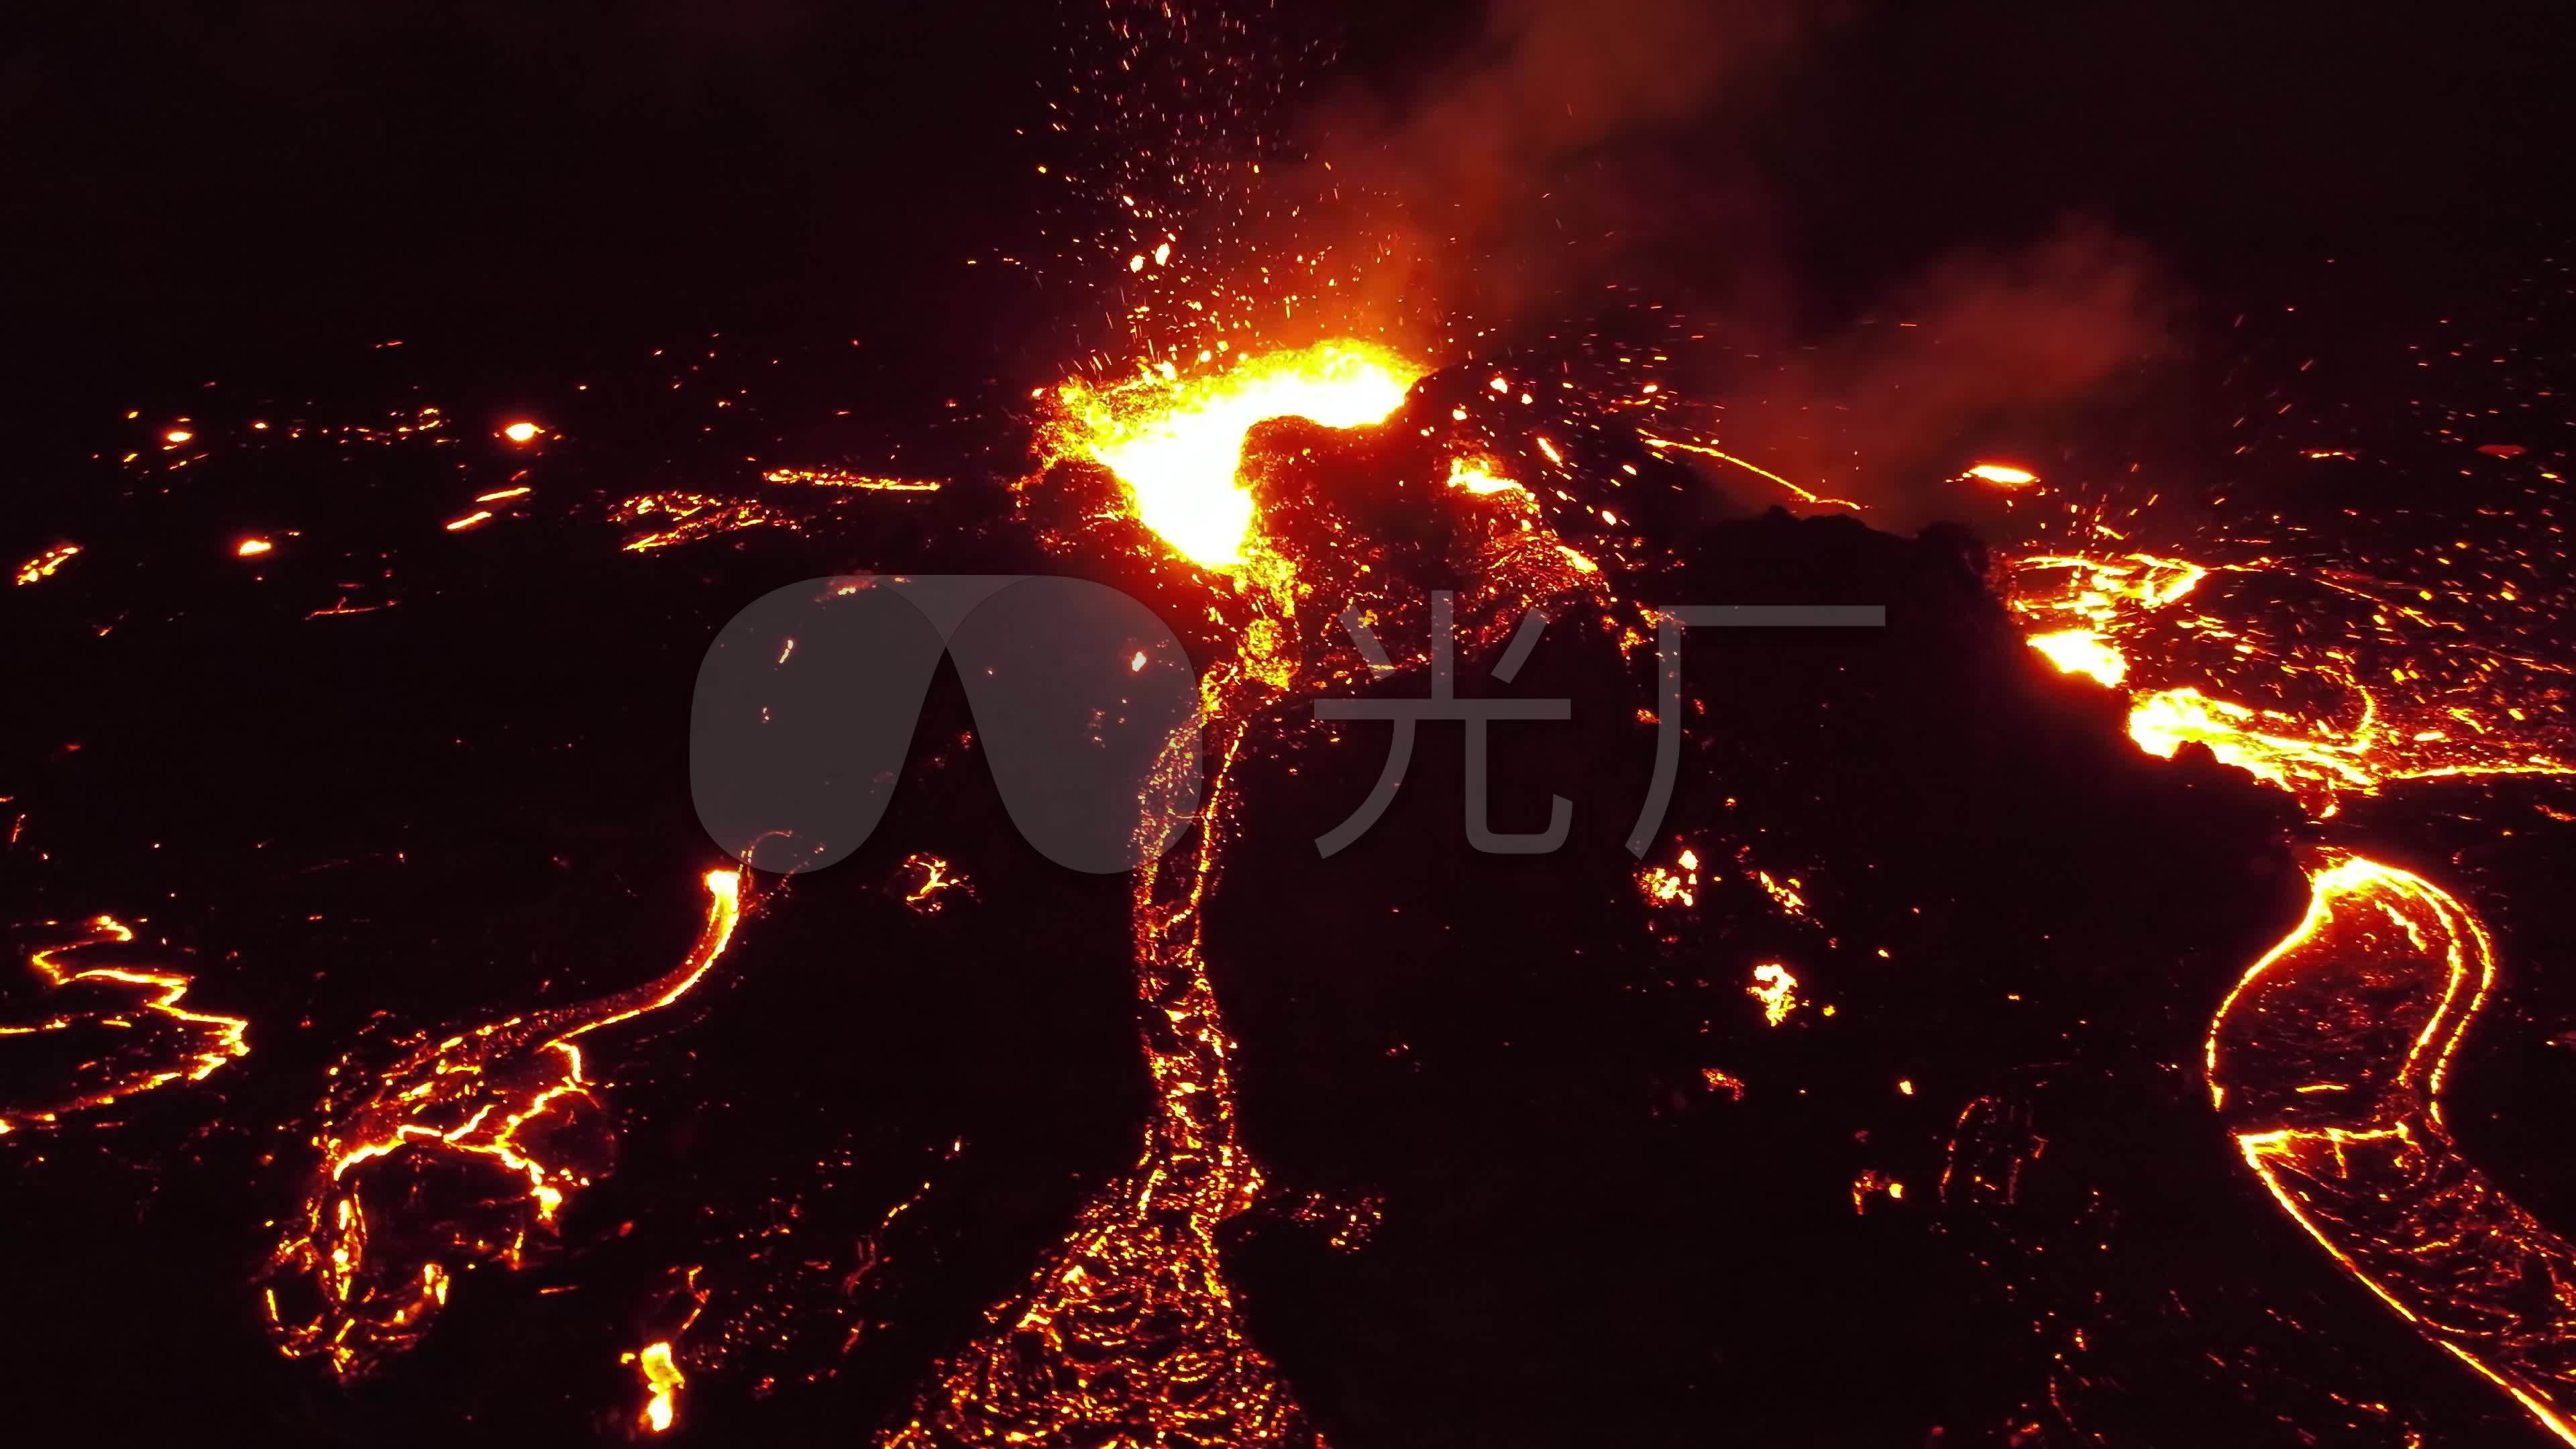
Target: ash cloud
(1509,170)
(1569,145)
(1548,79)
(1980,346)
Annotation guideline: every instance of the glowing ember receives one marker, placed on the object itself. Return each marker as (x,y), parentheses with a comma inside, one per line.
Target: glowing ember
(843,478)
(1674,885)
(2003,475)
(252,547)
(1783,893)
(1776,989)
(1481,475)
(176,436)
(663,1382)
(692,516)
(521,432)
(42,566)
(1705,451)
(1176,442)
(1871,1181)
(131,1017)
(926,880)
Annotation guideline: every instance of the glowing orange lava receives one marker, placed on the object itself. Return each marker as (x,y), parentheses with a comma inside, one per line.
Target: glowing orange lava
(1776,989)
(2368,727)
(692,516)
(662,1383)
(1674,885)
(844,478)
(1129,1333)
(1176,440)
(42,566)
(2339,1111)
(2084,651)
(2003,475)
(143,1037)
(488,1103)
(2327,1059)
(1706,451)
(1482,475)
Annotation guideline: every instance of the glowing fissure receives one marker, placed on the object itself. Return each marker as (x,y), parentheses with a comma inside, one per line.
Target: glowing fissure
(178,1045)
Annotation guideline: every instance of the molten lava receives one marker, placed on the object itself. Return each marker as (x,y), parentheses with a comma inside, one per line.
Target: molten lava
(134,1034)
(487,1105)
(1175,441)
(2327,1059)
(2356,720)
(42,566)
(2327,1062)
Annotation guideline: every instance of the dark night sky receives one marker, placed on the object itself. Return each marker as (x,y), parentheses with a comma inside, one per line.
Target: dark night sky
(195,188)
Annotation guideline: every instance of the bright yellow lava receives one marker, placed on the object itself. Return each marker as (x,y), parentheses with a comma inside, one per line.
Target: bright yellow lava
(2084,651)
(1176,442)
(2004,475)
(1481,475)
(663,1382)
(352,1281)
(1776,989)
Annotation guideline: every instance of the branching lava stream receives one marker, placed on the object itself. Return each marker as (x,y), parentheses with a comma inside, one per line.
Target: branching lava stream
(369,1256)
(147,1043)
(2327,1063)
